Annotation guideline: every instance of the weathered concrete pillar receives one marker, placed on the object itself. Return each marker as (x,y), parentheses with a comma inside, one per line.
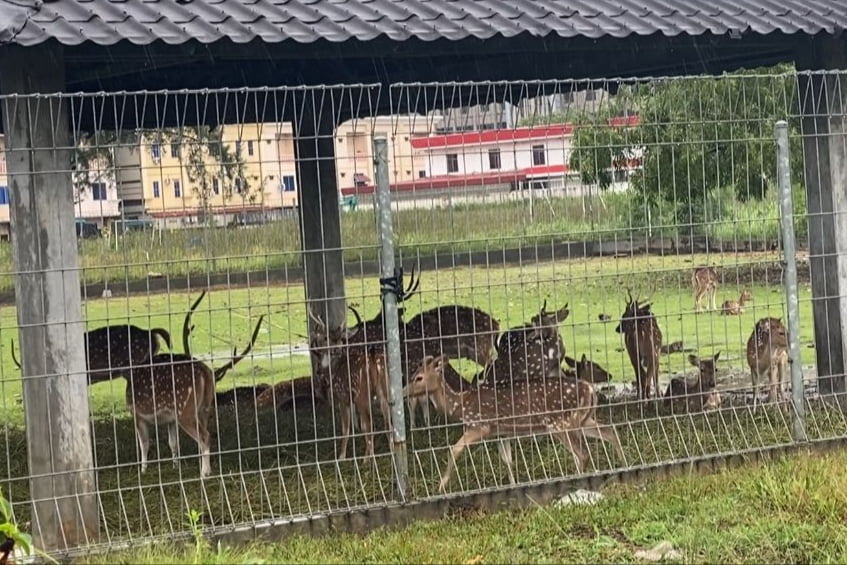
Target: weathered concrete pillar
(55,387)
(823,100)
(320,222)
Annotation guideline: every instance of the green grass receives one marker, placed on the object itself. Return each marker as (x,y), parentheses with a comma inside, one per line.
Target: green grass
(461,227)
(280,463)
(787,511)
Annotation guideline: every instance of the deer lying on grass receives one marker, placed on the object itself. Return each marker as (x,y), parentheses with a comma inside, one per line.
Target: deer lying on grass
(529,352)
(241,395)
(112,351)
(562,406)
(699,394)
(284,392)
(767,354)
(586,370)
(736,307)
(705,282)
(643,341)
(177,390)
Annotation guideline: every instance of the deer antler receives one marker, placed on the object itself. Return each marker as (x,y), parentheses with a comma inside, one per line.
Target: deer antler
(629,299)
(359,321)
(414,285)
(14,359)
(221,372)
(188,327)
(315,319)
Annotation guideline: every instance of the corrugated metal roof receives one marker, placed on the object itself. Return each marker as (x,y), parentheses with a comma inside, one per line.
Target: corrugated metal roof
(105,22)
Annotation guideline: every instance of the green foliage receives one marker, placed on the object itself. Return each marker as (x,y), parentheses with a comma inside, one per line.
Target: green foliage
(9,530)
(697,137)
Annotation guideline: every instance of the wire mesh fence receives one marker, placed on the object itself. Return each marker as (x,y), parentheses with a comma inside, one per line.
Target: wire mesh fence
(590,277)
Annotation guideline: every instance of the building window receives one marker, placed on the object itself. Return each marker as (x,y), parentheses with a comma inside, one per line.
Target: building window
(238,148)
(177,189)
(288,183)
(4,195)
(156,151)
(494,159)
(539,156)
(452,163)
(422,174)
(250,148)
(239,185)
(216,186)
(98,191)
(174,149)
(156,192)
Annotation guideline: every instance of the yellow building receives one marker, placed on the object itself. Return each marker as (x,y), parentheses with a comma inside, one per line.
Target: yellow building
(354,149)
(179,181)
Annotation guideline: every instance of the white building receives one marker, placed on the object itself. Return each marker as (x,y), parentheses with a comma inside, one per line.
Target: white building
(524,157)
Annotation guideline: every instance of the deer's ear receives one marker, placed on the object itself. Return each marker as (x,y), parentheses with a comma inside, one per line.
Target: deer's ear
(570,361)
(718,354)
(694,360)
(584,358)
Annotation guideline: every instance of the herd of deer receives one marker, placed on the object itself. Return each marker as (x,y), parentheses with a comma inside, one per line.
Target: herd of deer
(522,387)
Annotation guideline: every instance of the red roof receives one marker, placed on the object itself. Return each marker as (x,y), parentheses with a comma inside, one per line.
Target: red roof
(507,135)
(453,181)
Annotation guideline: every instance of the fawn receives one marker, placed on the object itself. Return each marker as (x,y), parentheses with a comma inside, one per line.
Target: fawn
(705,282)
(586,370)
(532,351)
(767,354)
(176,390)
(111,351)
(643,341)
(699,394)
(736,307)
(562,406)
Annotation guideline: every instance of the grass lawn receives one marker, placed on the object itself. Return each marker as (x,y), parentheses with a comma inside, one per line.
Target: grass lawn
(275,464)
(788,511)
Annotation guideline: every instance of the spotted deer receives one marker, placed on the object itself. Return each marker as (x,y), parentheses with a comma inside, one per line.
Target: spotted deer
(529,352)
(111,351)
(176,390)
(564,407)
(356,379)
(767,354)
(453,330)
(705,283)
(643,341)
(736,307)
(586,370)
(284,392)
(699,393)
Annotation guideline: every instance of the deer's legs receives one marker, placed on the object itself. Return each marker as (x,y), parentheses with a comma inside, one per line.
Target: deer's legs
(572,439)
(504,447)
(346,421)
(173,440)
(605,432)
(195,428)
(143,434)
(366,427)
(470,437)
(712,298)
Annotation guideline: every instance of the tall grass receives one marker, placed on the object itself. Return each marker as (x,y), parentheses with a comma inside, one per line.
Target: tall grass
(424,230)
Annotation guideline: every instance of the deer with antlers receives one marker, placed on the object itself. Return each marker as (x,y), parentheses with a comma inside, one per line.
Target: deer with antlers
(113,351)
(564,407)
(698,394)
(178,390)
(767,354)
(705,283)
(532,351)
(643,341)
(736,307)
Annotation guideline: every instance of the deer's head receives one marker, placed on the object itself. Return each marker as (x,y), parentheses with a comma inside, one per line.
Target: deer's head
(707,368)
(588,370)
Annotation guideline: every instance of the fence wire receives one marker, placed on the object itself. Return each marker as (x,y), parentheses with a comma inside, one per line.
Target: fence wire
(568,255)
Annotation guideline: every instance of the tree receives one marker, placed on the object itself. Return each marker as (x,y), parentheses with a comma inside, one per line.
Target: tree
(695,136)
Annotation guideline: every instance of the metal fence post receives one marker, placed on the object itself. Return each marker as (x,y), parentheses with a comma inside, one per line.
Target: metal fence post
(391,317)
(783,169)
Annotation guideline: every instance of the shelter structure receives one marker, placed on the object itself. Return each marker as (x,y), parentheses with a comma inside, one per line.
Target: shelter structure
(49,46)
